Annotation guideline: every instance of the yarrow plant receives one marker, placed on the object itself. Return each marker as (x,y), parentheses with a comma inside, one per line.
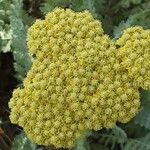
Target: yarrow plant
(80,79)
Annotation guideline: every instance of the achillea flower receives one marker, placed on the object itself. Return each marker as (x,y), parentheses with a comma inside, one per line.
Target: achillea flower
(76,81)
(134,53)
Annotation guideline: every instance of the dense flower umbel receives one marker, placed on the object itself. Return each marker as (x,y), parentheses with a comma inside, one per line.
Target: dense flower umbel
(75,83)
(134,53)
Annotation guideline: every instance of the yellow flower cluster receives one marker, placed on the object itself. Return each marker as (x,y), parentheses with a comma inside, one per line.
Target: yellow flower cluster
(134,53)
(76,81)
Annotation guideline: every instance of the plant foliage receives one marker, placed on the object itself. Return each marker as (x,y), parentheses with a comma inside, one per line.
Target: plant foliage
(113,137)
(143,119)
(138,144)
(21,142)
(94,6)
(5,31)
(22,61)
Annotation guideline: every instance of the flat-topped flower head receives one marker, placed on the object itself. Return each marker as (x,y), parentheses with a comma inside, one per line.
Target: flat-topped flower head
(75,83)
(59,28)
(134,53)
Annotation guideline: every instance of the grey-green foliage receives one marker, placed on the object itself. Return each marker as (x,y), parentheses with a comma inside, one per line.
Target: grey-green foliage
(145,5)
(141,18)
(118,137)
(143,118)
(145,98)
(138,144)
(5,39)
(22,60)
(21,142)
(131,3)
(49,5)
(138,15)
(4,7)
(128,3)
(5,31)
(114,137)
(5,28)
(85,5)
(100,8)
(82,142)
(94,6)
